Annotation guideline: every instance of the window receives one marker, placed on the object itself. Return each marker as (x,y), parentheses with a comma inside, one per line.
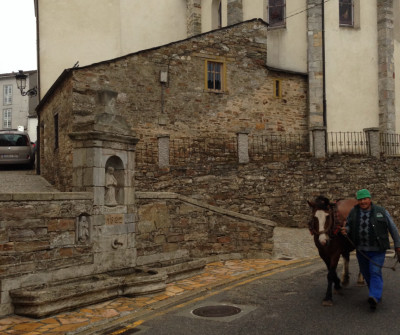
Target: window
(7,94)
(277,89)
(276,13)
(215,75)
(346,13)
(7,113)
(56,131)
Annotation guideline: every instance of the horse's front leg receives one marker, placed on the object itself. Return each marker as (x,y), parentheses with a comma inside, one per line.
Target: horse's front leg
(328,296)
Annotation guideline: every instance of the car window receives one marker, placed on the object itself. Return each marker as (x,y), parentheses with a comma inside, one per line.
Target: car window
(12,140)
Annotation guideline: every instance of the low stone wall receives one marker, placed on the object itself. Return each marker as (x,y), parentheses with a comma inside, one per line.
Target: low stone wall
(172,227)
(38,242)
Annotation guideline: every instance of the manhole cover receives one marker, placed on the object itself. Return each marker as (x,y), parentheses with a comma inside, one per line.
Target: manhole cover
(216,311)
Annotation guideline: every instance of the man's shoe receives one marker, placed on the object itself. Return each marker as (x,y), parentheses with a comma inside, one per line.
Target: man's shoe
(372,303)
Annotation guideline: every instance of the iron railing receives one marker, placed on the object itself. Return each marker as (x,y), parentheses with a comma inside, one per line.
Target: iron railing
(389,144)
(354,143)
(281,144)
(183,151)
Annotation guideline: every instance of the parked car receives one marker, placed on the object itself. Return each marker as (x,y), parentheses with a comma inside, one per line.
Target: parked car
(16,148)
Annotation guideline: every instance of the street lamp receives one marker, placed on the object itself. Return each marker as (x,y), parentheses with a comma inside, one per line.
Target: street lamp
(20,77)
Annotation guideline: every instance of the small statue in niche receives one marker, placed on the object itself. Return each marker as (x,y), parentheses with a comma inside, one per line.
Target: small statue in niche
(83,229)
(111,185)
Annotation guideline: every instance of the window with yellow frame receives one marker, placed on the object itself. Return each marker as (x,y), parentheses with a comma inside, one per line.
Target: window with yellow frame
(277,88)
(215,76)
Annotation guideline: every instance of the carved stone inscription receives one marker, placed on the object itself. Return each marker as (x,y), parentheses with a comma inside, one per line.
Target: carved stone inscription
(113,219)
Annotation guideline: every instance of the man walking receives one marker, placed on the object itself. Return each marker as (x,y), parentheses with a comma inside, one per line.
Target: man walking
(368,226)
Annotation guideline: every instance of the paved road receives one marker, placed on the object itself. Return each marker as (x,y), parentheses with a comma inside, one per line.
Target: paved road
(284,302)
(14,179)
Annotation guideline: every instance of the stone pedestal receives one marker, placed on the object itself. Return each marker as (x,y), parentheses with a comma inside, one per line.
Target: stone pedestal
(319,142)
(372,137)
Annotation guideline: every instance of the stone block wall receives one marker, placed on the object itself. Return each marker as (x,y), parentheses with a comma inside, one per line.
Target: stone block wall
(39,242)
(173,227)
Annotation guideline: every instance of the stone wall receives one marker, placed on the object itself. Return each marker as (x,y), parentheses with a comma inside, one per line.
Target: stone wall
(56,163)
(278,190)
(172,227)
(38,240)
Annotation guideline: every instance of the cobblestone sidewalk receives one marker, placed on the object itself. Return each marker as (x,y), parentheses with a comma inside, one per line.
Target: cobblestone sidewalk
(21,181)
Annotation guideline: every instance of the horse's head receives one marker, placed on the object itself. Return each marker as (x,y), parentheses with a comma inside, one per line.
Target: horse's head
(321,219)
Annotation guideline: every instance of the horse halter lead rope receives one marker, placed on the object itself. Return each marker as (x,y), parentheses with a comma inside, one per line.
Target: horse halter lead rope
(366,257)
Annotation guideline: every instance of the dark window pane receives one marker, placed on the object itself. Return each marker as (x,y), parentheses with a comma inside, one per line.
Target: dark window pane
(276,12)
(214,76)
(346,12)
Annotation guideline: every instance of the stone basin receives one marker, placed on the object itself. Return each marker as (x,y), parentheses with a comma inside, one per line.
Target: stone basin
(54,297)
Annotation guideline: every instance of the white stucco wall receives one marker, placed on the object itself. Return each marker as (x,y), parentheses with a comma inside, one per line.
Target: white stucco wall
(91,31)
(255,9)
(287,47)
(74,30)
(150,23)
(352,70)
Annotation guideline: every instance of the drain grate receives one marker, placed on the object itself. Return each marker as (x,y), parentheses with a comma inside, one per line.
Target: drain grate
(218,311)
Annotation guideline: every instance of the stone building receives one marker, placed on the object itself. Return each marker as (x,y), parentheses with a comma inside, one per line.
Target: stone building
(353,61)
(212,84)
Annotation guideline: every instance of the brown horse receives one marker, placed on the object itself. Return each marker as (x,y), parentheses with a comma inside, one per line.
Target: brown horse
(327,219)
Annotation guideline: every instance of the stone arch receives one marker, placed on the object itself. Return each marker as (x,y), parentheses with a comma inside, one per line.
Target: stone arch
(119,173)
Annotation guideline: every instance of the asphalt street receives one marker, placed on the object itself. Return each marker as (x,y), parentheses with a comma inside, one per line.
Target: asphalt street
(281,302)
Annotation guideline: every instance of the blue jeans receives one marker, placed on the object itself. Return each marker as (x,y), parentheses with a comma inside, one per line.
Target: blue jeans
(372,272)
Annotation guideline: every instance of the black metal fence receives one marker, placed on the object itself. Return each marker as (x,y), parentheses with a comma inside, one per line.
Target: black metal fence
(196,150)
(261,146)
(184,151)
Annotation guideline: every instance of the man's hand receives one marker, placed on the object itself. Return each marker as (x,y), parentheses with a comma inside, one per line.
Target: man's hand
(398,254)
(343,230)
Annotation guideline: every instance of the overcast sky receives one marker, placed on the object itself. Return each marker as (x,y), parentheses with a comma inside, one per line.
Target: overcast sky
(18,42)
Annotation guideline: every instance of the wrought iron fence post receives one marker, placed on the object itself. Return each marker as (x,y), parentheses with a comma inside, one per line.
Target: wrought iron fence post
(243,147)
(319,141)
(163,151)
(373,145)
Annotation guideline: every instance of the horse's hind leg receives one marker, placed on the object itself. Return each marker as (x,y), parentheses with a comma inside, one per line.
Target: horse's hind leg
(346,274)
(360,280)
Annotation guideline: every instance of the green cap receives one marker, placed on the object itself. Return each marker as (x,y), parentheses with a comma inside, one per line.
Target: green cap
(361,194)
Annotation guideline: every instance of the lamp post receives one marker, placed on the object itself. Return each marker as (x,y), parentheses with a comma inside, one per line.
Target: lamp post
(20,77)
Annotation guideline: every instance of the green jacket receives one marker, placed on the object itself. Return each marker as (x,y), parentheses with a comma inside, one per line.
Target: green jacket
(378,227)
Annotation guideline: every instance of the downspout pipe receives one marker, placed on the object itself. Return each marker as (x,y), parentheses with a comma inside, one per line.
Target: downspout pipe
(323,79)
(36,4)
(323,65)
